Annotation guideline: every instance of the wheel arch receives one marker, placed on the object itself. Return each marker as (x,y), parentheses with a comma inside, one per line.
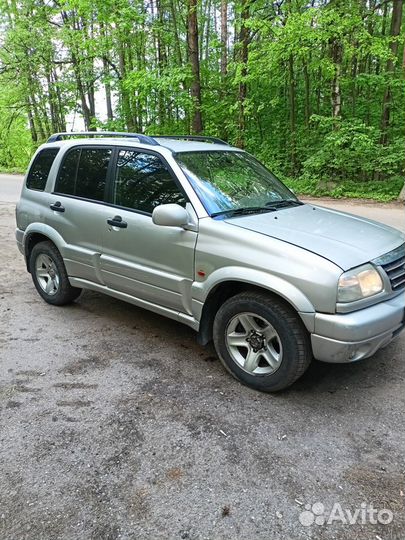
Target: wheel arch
(270,285)
(40,233)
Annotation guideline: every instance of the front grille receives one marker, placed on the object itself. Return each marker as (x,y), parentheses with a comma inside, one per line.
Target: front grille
(394,265)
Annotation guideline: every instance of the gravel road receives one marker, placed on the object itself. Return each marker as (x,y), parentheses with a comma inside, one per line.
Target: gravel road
(114,424)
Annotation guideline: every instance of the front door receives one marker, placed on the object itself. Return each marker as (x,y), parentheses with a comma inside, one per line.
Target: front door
(145,260)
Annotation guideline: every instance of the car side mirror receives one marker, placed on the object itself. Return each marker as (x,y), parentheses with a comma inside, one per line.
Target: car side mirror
(170,215)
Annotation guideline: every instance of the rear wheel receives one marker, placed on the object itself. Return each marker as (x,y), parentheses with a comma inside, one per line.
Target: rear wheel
(261,341)
(49,275)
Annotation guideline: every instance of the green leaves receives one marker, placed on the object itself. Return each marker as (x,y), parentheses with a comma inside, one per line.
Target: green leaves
(60,60)
(350,151)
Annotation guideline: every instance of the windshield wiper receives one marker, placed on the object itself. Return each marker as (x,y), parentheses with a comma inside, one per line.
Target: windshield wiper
(283,203)
(270,206)
(243,211)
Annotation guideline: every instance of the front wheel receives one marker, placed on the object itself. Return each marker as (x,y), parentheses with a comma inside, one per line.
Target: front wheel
(49,275)
(261,341)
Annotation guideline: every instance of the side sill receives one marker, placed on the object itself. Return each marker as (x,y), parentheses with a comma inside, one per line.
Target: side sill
(166,312)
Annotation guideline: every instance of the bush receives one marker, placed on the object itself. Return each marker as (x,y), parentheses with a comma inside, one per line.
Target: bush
(351,151)
(386,190)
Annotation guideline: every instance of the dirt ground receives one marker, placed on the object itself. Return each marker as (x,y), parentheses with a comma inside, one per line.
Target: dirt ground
(114,424)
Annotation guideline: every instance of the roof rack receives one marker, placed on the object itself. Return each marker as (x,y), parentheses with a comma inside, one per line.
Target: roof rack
(201,138)
(145,139)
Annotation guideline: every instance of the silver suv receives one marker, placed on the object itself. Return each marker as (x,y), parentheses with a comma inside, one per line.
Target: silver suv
(201,232)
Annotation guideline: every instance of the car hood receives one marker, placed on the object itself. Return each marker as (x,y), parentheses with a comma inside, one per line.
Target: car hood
(342,238)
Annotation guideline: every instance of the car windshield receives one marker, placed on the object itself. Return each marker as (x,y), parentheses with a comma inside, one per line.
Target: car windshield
(229,182)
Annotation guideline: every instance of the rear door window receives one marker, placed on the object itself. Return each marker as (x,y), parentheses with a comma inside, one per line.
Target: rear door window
(83,173)
(66,181)
(38,174)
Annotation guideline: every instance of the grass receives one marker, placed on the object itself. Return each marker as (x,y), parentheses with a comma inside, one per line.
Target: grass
(12,170)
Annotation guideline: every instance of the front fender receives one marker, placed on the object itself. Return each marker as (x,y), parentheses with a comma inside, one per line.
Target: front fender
(277,285)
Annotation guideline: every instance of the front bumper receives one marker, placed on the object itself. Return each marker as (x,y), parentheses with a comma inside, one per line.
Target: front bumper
(349,337)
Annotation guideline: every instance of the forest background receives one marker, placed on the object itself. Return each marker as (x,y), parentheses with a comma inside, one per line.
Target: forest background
(315,89)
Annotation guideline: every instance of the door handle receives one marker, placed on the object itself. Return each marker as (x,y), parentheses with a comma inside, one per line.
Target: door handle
(117,222)
(57,207)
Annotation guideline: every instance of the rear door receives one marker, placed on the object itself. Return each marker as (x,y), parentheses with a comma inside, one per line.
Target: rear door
(76,208)
(142,259)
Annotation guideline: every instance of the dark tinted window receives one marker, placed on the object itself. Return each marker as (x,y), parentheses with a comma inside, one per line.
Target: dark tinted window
(92,173)
(66,181)
(84,172)
(142,182)
(39,171)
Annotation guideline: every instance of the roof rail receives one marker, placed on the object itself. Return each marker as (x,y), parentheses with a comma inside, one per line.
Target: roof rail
(201,138)
(145,139)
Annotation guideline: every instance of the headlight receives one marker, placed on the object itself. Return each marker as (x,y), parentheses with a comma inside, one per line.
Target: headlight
(359,283)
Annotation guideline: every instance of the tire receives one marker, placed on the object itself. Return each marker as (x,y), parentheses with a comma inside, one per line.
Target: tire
(261,341)
(49,275)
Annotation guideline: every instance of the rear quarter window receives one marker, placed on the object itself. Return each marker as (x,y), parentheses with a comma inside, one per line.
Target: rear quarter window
(39,171)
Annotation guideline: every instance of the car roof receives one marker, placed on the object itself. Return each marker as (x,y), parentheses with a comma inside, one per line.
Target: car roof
(173,144)
(194,146)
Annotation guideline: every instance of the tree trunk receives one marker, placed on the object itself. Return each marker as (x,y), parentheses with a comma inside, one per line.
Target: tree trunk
(76,59)
(162,61)
(224,38)
(52,104)
(36,116)
(224,60)
(293,114)
(62,119)
(107,85)
(92,101)
(192,42)
(396,19)
(107,90)
(177,46)
(207,30)
(33,131)
(383,32)
(307,110)
(318,91)
(243,55)
(354,86)
(336,98)
(125,100)
(82,94)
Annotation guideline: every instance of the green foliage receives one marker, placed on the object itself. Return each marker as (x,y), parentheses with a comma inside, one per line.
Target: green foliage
(351,149)
(384,191)
(307,96)
(16,146)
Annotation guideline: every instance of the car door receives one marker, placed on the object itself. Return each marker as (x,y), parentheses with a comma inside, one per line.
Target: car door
(76,208)
(145,260)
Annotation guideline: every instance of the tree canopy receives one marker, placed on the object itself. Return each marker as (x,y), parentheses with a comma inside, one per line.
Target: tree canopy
(313,88)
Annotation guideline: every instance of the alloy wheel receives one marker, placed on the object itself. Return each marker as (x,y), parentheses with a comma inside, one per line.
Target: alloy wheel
(254,344)
(47,274)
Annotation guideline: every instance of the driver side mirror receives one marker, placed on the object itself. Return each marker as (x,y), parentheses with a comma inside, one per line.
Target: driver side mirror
(170,215)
